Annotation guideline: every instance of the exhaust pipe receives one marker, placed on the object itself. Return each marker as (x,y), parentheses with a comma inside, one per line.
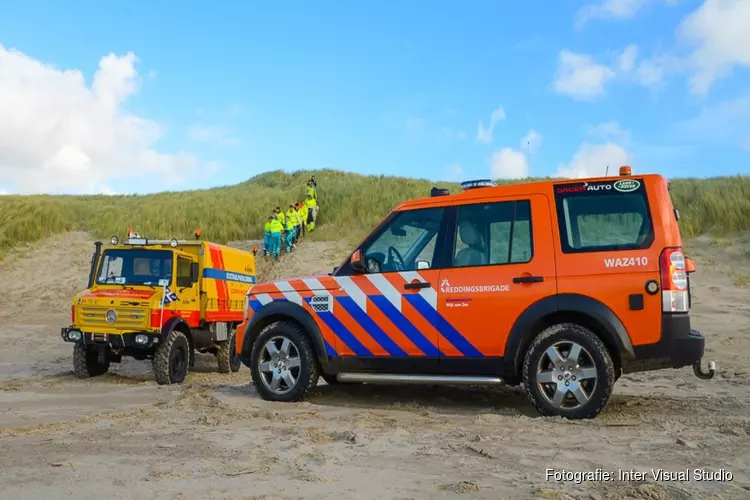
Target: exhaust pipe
(704,375)
(385,378)
(94,260)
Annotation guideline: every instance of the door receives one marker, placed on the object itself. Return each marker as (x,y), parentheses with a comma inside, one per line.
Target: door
(388,311)
(500,262)
(187,293)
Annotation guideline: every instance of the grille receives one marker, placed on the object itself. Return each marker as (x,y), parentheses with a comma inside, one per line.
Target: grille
(126,317)
(321,303)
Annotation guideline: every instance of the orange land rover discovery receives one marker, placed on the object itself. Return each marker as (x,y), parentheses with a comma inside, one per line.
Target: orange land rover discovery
(562,285)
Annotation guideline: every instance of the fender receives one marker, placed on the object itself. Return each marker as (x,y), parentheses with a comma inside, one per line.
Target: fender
(281,308)
(605,320)
(171,324)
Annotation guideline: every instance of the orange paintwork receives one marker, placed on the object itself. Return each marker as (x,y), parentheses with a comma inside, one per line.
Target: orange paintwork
(374,314)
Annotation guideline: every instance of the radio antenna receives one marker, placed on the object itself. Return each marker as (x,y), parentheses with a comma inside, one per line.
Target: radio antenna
(606,174)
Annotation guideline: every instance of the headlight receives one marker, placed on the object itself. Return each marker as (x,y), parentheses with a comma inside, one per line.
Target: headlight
(114,240)
(141,339)
(74,335)
(173,243)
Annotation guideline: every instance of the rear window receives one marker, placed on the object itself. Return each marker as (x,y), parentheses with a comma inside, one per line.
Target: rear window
(603,216)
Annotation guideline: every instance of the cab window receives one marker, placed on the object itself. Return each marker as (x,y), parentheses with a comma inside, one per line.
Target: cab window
(183,272)
(407,243)
(493,233)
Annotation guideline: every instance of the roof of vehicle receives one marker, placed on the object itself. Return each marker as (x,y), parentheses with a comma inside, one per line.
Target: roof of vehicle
(519,189)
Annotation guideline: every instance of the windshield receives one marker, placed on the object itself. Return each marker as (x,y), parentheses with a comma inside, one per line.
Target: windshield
(135,267)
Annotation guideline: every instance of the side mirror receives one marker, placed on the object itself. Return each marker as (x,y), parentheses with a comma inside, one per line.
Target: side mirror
(422,264)
(689,265)
(357,261)
(335,269)
(194,272)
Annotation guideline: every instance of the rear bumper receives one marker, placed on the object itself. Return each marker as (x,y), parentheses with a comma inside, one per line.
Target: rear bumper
(113,340)
(679,346)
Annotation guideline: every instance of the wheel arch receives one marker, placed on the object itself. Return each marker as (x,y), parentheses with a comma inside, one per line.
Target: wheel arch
(567,308)
(181,326)
(283,311)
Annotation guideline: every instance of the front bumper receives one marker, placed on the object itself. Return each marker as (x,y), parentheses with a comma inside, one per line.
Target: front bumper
(113,340)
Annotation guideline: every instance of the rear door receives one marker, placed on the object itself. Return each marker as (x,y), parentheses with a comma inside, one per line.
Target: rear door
(606,250)
(499,263)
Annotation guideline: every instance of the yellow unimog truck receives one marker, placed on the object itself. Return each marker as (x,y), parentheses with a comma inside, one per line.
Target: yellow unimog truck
(162,300)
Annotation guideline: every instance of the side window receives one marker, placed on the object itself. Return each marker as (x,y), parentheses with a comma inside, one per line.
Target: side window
(493,233)
(183,272)
(598,217)
(409,238)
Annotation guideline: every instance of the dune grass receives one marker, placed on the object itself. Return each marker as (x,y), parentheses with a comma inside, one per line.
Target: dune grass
(351,204)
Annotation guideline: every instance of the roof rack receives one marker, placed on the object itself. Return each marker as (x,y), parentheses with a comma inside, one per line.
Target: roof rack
(478,183)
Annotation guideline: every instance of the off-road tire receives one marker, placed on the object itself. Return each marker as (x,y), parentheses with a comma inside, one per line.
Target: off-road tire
(86,362)
(309,368)
(600,355)
(165,359)
(227,357)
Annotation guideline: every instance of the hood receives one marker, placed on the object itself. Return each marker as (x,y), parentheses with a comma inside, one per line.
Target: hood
(118,293)
(297,284)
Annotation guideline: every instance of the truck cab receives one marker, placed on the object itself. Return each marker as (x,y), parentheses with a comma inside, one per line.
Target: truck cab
(162,300)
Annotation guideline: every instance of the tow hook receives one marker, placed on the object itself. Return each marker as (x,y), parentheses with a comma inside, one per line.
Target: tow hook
(704,375)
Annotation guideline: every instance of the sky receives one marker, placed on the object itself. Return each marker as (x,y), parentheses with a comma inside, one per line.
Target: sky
(140,96)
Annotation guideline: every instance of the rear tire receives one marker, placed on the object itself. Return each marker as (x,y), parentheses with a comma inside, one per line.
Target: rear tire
(283,365)
(86,362)
(171,359)
(568,372)
(229,360)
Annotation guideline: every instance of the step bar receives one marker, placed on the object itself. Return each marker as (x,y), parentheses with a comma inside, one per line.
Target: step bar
(387,378)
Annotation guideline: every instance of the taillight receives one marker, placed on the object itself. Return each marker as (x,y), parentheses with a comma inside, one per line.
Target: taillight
(674,282)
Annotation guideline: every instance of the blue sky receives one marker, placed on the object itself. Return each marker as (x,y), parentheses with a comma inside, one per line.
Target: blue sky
(232,89)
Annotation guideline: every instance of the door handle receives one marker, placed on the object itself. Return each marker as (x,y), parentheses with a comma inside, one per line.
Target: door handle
(419,284)
(528,279)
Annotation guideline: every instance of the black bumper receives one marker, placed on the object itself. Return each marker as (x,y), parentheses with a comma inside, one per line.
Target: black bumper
(113,340)
(679,346)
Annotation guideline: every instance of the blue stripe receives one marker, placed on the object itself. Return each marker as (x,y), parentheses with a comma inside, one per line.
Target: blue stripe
(218,274)
(370,326)
(345,335)
(405,325)
(442,325)
(330,350)
(255,305)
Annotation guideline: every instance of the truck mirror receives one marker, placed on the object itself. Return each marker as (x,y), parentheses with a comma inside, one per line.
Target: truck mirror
(194,272)
(357,261)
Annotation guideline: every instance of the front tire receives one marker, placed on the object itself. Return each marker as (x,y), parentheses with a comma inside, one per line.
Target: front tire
(568,372)
(171,359)
(86,362)
(227,356)
(283,365)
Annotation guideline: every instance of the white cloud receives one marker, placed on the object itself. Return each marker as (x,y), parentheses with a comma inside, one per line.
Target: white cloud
(719,30)
(212,133)
(485,134)
(508,163)
(614,9)
(531,141)
(59,135)
(3,192)
(724,123)
(609,131)
(627,58)
(454,172)
(580,77)
(591,160)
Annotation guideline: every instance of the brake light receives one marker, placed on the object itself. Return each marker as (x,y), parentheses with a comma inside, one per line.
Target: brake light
(674,281)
